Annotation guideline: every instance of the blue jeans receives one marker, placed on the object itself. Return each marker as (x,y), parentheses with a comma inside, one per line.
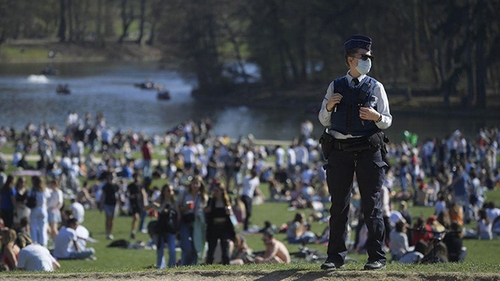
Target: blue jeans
(146,168)
(142,219)
(83,254)
(160,240)
(189,255)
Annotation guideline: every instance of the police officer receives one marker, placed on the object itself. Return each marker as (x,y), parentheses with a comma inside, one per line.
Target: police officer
(354,111)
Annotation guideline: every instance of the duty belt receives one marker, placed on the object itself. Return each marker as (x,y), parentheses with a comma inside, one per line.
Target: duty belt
(351,144)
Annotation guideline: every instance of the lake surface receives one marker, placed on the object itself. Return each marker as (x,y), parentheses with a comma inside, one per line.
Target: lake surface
(109,88)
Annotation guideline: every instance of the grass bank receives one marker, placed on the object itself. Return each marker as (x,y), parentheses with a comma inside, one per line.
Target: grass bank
(21,51)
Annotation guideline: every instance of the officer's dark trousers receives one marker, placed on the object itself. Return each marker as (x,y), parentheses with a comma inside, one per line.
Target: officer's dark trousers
(370,173)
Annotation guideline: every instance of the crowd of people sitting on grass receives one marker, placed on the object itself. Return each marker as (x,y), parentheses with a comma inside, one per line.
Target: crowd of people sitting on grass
(214,181)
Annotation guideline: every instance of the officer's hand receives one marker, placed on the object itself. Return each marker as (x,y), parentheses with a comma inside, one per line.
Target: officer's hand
(368,113)
(334,99)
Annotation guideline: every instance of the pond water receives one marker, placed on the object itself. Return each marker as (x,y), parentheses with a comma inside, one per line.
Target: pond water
(109,88)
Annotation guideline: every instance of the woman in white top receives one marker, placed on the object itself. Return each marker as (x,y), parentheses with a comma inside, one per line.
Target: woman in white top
(399,241)
(54,205)
(39,216)
(484,226)
(34,257)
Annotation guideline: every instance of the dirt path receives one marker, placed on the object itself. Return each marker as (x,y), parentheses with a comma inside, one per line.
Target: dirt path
(285,275)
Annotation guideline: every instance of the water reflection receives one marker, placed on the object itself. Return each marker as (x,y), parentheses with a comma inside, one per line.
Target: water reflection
(109,88)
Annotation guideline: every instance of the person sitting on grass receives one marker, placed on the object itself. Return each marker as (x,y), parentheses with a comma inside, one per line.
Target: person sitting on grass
(454,243)
(298,231)
(242,254)
(415,256)
(399,241)
(10,250)
(276,251)
(33,256)
(66,243)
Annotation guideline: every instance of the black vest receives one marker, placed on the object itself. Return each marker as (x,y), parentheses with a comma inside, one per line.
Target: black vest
(345,119)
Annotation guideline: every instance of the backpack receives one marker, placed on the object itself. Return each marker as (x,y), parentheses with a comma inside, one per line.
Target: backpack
(167,223)
(31,200)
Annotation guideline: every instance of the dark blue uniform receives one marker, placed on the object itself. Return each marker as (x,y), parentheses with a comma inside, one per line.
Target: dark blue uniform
(355,156)
(354,112)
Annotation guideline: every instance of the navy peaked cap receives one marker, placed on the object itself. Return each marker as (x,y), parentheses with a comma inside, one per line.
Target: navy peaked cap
(358,41)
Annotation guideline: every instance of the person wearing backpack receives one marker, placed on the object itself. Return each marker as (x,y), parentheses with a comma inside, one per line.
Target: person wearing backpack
(39,216)
(166,227)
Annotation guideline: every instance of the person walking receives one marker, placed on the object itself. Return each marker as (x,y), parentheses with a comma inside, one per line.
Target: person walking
(354,112)
(108,202)
(135,196)
(250,185)
(147,156)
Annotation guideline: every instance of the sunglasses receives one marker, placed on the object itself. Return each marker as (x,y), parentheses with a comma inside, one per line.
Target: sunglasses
(365,57)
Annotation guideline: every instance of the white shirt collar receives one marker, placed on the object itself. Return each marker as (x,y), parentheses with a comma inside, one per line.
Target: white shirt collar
(349,77)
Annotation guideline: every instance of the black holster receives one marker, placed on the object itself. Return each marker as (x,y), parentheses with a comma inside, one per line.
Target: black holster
(378,140)
(326,142)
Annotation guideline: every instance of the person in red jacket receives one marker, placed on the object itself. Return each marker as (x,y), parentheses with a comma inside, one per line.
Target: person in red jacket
(147,154)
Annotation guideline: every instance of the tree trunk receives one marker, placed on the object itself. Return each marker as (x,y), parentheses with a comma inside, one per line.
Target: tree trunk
(236,47)
(99,40)
(70,21)
(481,65)
(108,19)
(61,34)
(142,21)
(127,18)
(469,102)
(152,34)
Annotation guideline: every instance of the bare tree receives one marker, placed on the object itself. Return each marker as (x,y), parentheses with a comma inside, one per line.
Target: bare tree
(142,21)
(127,17)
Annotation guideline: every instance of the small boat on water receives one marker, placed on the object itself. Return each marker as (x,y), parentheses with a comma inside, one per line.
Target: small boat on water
(149,85)
(163,95)
(63,89)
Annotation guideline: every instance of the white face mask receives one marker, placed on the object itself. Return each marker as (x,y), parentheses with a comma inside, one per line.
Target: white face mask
(364,66)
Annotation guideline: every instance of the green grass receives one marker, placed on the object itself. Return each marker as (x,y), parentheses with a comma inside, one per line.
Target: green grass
(482,256)
(17,52)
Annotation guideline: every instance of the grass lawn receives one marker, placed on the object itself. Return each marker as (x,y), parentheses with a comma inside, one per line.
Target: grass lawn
(482,256)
